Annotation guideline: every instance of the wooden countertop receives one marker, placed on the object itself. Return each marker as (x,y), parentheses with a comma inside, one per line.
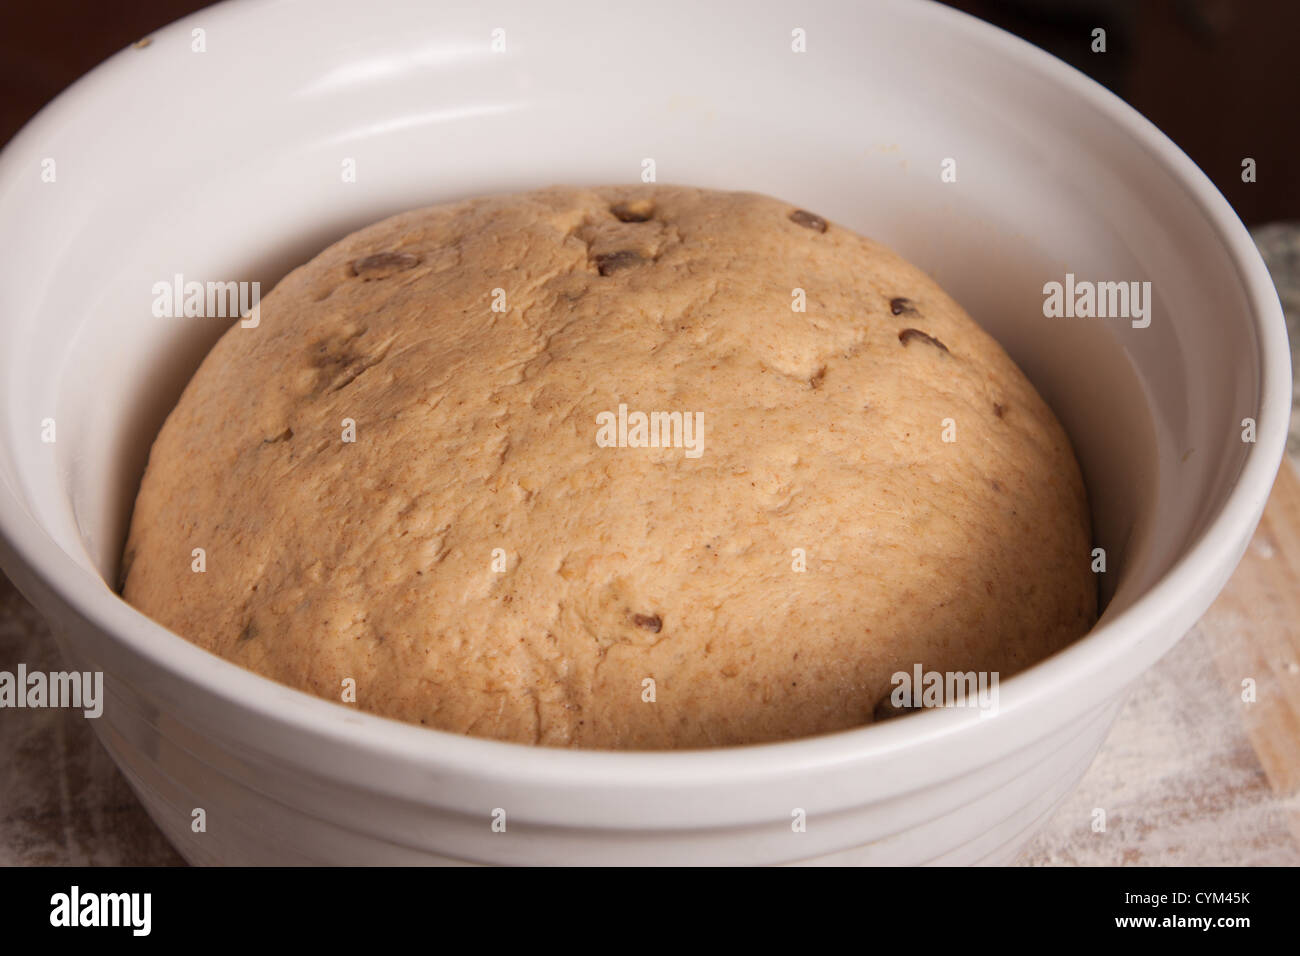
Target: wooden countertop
(1191,774)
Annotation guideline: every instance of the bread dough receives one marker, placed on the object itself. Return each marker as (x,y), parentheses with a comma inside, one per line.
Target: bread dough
(476,561)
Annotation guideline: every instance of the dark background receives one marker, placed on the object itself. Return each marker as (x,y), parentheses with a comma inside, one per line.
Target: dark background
(1221,78)
(1218,76)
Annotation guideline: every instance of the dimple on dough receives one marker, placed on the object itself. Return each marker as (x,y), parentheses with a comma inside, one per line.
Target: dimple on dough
(648,599)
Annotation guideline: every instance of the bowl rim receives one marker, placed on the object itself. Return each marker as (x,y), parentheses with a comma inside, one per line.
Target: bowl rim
(1191,576)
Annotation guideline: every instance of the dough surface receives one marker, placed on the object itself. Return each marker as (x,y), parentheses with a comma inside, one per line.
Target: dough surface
(629,572)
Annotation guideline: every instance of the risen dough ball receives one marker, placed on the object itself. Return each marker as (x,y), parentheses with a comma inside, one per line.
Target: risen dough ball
(479,561)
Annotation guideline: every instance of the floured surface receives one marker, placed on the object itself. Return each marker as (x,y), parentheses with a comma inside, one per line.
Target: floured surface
(1203,765)
(1177,779)
(62,800)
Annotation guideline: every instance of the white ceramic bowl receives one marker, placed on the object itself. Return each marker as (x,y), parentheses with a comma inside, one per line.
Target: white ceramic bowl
(226,164)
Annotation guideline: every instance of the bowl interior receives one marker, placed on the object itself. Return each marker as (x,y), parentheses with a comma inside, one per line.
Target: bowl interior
(240,162)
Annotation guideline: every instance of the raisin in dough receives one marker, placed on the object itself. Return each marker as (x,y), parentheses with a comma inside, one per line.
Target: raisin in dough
(475,430)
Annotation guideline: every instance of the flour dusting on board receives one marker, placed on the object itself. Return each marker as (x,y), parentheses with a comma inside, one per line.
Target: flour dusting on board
(1178,781)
